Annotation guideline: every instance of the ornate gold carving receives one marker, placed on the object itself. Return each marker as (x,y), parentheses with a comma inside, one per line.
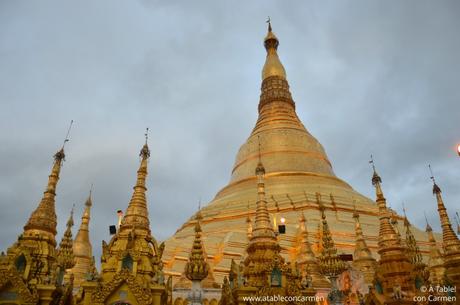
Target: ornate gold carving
(13,278)
(103,291)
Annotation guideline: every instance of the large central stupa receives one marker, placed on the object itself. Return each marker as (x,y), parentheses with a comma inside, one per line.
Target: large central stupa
(299,178)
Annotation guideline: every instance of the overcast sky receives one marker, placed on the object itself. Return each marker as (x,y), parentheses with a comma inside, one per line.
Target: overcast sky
(367,77)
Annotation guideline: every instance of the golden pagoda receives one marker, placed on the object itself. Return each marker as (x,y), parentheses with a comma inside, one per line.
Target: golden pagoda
(297,168)
(82,248)
(131,266)
(33,270)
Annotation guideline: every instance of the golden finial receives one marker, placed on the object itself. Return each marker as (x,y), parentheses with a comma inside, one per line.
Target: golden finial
(375,177)
(89,200)
(70,221)
(145,152)
(436,188)
(273,66)
(428,227)
(146,135)
(67,139)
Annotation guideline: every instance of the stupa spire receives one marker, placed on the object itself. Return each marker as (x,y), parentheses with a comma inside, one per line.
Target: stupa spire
(362,257)
(436,268)
(306,259)
(396,280)
(262,219)
(44,216)
(414,252)
(330,262)
(83,232)
(248,225)
(411,243)
(263,246)
(137,213)
(387,233)
(65,254)
(450,239)
(197,268)
(451,243)
(82,247)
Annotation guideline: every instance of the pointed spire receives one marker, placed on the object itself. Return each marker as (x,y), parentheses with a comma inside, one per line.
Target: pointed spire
(306,250)
(428,227)
(82,243)
(44,217)
(306,259)
(394,275)
(362,257)
(387,233)
(330,263)
(361,249)
(197,268)
(82,248)
(450,239)
(435,264)
(65,254)
(273,66)
(262,218)
(137,213)
(249,225)
(414,251)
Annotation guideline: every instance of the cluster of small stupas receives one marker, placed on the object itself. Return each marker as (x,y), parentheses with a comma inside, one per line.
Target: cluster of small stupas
(339,248)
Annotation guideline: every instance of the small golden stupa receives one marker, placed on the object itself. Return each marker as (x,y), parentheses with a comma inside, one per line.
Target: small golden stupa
(131,266)
(82,248)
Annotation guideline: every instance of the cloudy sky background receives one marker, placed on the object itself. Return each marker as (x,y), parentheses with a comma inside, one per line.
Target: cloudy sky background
(367,77)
